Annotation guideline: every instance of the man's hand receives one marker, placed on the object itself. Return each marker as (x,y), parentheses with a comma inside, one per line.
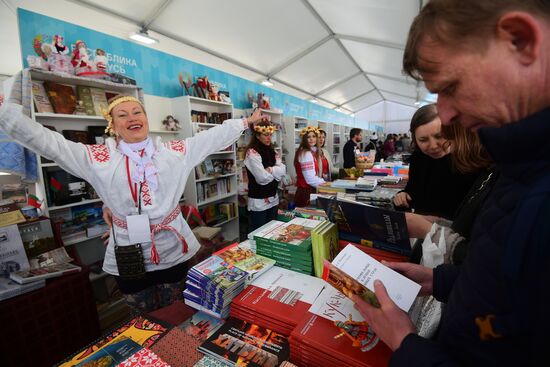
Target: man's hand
(108,218)
(389,322)
(417,225)
(402,200)
(417,273)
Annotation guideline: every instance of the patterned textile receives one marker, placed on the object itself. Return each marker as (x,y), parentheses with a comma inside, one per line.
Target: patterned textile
(207,361)
(144,358)
(178,348)
(14,158)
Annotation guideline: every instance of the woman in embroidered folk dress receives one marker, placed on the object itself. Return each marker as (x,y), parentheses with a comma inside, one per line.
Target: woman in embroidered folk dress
(134,174)
(306,163)
(326,166)
(265,170)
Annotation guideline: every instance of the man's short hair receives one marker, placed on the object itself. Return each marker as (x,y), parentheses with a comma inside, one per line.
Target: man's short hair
(454,21)
(353,132)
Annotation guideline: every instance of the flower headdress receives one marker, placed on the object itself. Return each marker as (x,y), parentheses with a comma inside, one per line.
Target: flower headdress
(308,129)
(107,113)
(266,129)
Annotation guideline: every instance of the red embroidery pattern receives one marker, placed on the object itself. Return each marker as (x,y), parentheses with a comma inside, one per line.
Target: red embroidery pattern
(146,194)
(177,146)
(252,152)
(99,153)
(144,358)
(307,166)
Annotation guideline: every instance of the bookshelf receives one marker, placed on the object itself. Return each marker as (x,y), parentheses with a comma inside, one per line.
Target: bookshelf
(293,126)
(214,190)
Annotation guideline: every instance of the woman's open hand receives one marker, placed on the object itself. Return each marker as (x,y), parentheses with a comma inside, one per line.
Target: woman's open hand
(257,117)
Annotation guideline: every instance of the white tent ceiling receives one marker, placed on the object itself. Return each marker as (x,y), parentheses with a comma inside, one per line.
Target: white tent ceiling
(345,53)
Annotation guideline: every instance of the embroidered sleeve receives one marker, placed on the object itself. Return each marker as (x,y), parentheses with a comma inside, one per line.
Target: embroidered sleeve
(279,169)
(307,164)
(72,157)
(253,162)
(214,139)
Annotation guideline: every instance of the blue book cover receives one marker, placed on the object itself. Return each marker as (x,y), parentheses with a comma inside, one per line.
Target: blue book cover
(381,226)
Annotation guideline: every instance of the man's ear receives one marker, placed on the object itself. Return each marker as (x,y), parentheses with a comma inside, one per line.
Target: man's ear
(523,34)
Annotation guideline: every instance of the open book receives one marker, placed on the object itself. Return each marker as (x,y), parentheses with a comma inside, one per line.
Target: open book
(353,272)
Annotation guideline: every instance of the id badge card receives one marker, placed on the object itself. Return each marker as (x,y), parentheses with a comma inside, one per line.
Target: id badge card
(138,228)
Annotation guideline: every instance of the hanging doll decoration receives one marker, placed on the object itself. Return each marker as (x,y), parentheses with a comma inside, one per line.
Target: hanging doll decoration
(59,59)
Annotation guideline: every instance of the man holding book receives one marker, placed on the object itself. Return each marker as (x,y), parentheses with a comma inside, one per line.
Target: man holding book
(489,62)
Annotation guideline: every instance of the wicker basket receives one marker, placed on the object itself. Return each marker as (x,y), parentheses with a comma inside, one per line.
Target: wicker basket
(363,165)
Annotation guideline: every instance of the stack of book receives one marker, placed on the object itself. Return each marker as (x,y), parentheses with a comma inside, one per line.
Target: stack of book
(262,231)
(319,342)
(366,183)
(212,284)
(277,300)
(243,257)
(289,244)
(380,197)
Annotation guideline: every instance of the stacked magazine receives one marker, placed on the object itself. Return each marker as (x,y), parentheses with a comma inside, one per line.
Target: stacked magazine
(278,299)
(289,244)
(212,284)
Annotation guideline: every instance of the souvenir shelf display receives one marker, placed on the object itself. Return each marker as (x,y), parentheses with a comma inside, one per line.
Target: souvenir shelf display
(212,188)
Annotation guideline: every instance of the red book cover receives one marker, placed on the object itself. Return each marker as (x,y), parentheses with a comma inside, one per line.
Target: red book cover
(280,294)
(266,322)
(350,343)
(144,358)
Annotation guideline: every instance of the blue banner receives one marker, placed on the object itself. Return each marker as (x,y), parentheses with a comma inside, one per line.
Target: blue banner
(157,72)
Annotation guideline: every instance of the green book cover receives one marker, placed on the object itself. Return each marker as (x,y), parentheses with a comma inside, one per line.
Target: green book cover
(326,247)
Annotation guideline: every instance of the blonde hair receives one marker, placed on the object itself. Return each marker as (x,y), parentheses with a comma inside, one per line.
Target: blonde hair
(113,102)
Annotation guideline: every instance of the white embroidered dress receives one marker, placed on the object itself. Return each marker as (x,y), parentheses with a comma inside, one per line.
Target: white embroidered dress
(104,167)
(253,162)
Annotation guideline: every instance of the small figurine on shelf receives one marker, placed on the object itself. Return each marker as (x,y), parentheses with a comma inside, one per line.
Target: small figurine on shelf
(171,124)
(201,87)
(80,59)
(224,96)
(58,46)
(263,101)
(213,91)
(58,59)
(43,50)
(100,60)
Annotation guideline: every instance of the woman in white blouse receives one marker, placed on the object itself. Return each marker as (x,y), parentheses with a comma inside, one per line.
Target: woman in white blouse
(307,163)
(265,170)
(141,180)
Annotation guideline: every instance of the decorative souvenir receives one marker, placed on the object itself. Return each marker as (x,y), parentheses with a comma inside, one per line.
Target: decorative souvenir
(100,60)
(58,59)
(171,124)
(81,60)
(186,84)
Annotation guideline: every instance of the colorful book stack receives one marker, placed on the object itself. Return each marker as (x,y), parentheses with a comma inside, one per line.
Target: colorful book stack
(241,343)
(289,244)
(262,231)
(277,300)
(319,342)
(212,284)
(324,243)
(243,257)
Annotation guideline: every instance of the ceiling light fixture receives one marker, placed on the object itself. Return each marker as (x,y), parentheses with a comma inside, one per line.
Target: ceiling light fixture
(417,103)
(314,100)
(267,83)
(143,37)
(338,109)
(351,115)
